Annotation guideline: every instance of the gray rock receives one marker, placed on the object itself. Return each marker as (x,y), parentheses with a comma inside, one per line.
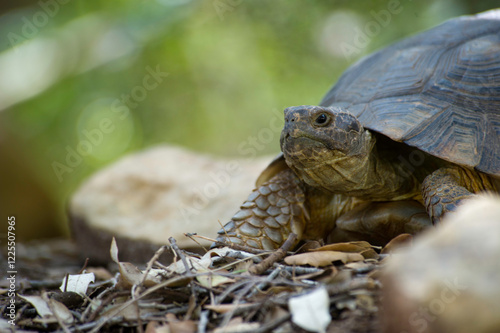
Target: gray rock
(449,280)
(147,197)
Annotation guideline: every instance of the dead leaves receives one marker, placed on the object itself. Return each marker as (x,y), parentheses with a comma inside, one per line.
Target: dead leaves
(322,258)
(328,254)
(396,243)
(217,293)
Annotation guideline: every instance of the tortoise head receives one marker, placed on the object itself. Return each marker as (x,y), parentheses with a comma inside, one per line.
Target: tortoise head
(326,146)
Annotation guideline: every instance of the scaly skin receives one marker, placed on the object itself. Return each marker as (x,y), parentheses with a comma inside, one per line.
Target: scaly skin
(271,212)
(446,188)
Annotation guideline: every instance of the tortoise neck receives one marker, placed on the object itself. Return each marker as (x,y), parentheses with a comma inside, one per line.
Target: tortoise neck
(376,176)
(387,179)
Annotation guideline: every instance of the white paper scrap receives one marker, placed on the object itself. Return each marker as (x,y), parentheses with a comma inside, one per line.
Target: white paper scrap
(77,283)
(311,311)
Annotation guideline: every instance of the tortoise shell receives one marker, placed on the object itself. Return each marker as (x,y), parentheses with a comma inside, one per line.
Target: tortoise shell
(438,91)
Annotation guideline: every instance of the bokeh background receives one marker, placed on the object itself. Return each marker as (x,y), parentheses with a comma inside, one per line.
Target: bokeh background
(223,67)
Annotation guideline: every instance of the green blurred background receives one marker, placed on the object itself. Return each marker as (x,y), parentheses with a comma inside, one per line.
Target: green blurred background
(223,68)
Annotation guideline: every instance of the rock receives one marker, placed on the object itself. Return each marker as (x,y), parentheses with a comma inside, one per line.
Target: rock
(449,280)
(147,197)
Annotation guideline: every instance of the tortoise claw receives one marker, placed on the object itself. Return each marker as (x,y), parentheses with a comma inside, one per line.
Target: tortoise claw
(443,191)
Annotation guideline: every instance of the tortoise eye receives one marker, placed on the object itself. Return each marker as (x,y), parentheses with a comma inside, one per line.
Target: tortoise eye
(322,119)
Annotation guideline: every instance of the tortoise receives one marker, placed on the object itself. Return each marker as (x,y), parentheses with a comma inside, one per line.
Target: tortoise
(405,135)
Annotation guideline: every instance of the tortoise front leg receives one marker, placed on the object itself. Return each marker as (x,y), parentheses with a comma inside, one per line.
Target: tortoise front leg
(379,222)
(271,212)
(444,189)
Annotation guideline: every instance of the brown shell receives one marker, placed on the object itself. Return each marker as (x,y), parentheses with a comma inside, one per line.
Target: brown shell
(438,91)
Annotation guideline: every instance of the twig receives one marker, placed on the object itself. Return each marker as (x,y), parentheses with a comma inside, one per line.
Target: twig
(178,252)
(219,299)
(261,267)
(151,262)
(232,245)
(191,237)
(299,269)
(105,302)
(84,266)
(241,247)
(236,302)
(272,325)
(263,284)
(149,291)
(354,284)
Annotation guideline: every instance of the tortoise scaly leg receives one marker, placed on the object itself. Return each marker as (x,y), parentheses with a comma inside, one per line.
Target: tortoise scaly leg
(444,189)
(379,222)
(270,213)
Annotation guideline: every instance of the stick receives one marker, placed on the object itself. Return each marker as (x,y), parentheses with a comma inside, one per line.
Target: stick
(179,253)
(263,266)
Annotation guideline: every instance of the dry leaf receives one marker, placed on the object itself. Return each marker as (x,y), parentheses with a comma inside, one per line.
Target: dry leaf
(43,308)
(242,265)
(186,326)
(322,258)
(357,246)
(152,326)
(113,251)
(369,254)
(361,247)
(130,275)
(213,280)
(397,242)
